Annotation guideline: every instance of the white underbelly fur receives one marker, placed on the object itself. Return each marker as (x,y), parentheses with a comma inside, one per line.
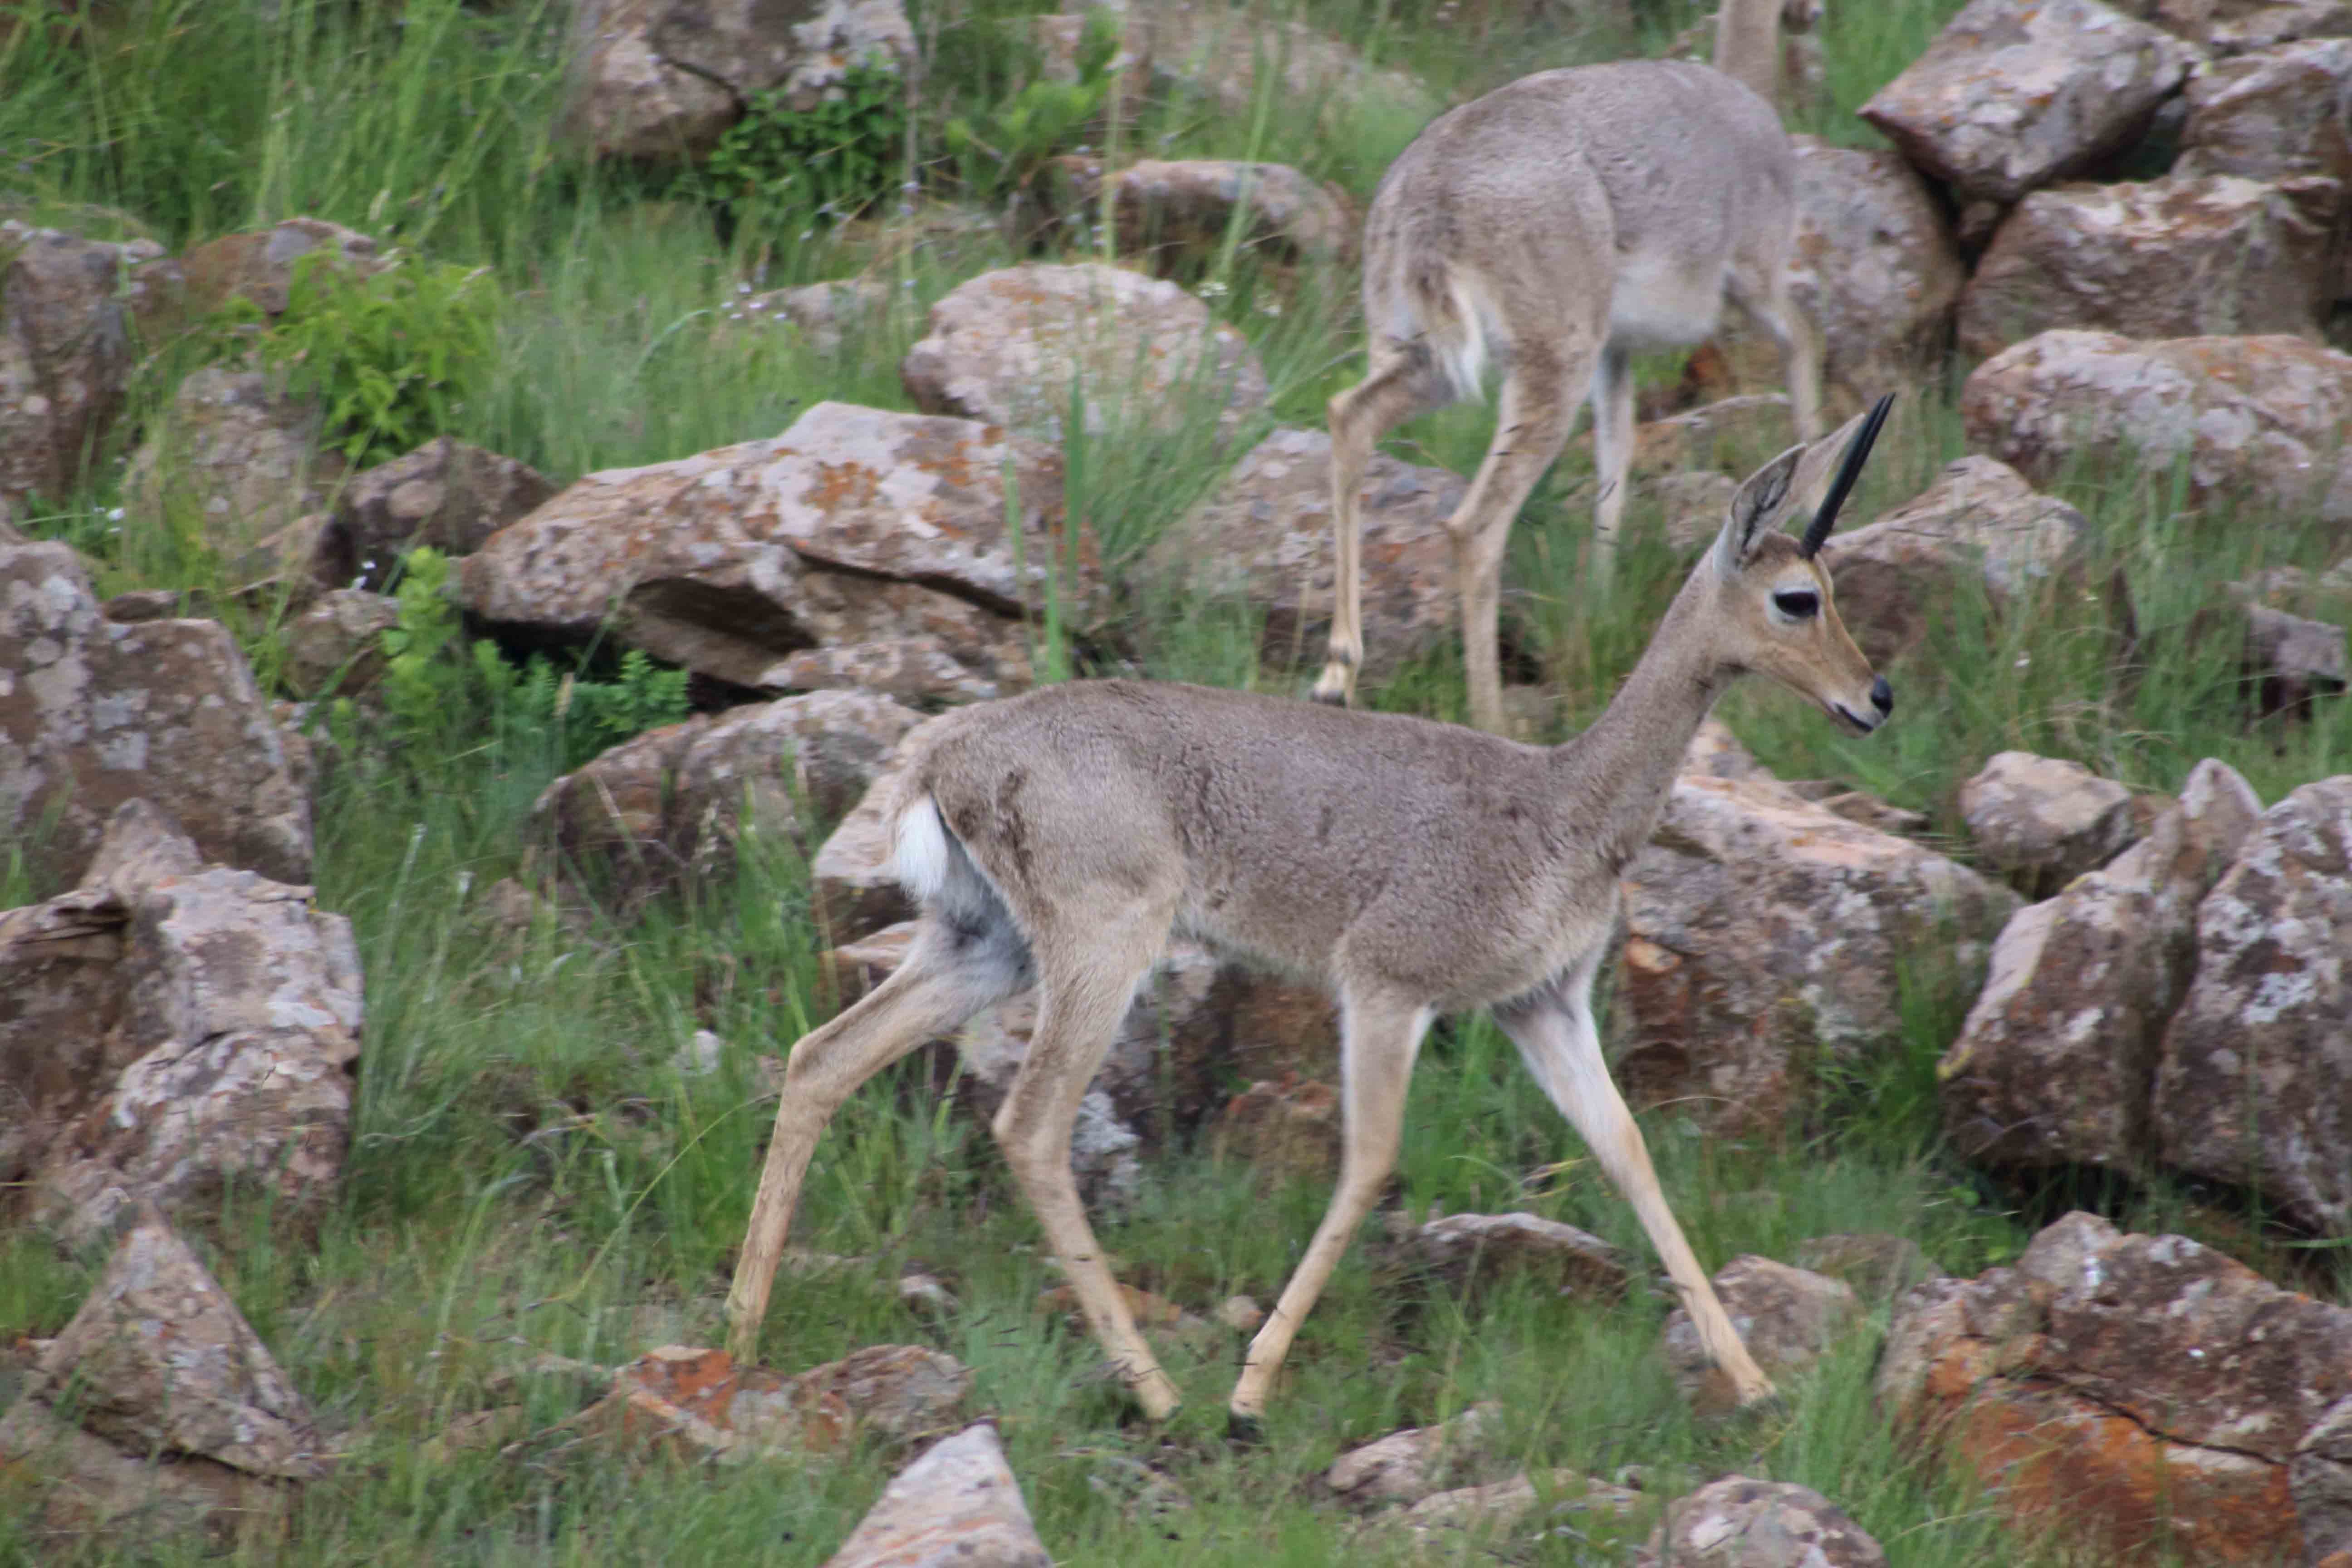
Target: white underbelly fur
(1657,302)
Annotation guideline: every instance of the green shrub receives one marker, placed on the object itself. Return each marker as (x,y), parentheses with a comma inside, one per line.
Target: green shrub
(391,357)
(436,688)
(826,162)
(423,682)
(1002,149)
(585,716)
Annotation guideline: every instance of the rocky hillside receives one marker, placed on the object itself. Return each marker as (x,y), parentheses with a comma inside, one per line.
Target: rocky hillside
(487,493)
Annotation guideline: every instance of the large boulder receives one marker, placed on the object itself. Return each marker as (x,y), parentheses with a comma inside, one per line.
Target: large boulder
(2181,257)
(2259,417)
(2255,1082)
(1875,267)
(660,80)
(158,1405)
(446,494)
(675,801)
(1015,347)
(2272,114)
(71,310)
(93,714)
(2277,114)
(1764,930)
(956,1506)
(2142,1391)
(158,1357)
(2228,28)
(217,1046)
(856,525)
(2042,822)
(1981,519)
(1263,536)
(2016,94)
(2057,1059)
(239,463)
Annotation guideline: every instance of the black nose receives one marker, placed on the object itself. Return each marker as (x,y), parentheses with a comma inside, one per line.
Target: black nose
(1881,697)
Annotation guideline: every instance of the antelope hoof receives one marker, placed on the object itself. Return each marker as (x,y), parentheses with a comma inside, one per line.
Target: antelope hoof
(1158,1397)
(1244,1431)
(1332,687)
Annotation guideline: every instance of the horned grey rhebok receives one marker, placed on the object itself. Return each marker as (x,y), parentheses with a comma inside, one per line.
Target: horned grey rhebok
(1058,838)
(1560,226)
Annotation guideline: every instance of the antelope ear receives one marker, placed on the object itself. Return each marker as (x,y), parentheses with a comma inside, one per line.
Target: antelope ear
(1760,504)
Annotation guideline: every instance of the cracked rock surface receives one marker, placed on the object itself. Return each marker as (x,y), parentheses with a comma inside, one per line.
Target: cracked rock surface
(2139,1387)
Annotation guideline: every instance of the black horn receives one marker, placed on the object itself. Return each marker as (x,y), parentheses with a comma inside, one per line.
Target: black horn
(1857,452)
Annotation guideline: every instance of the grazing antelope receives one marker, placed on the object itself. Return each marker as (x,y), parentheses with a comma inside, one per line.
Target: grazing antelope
(1560,226)
(1059,837)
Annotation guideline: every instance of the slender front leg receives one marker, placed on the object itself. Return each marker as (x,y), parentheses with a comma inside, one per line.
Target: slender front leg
(1081,1001)
(1359,417)
(1379,1040)
(1554,1032)
(946,979)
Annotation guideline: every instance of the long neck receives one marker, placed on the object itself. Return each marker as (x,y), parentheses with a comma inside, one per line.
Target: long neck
(1615,777)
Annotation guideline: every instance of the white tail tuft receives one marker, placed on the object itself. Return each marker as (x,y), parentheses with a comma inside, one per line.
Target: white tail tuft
(1461,355)
(920,850)
(1439,308)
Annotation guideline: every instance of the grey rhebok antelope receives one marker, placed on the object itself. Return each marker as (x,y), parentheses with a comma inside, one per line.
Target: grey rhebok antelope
(1560,226)
(1059,837)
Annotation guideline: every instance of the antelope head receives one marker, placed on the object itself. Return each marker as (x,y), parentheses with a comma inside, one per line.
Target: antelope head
(1774,611)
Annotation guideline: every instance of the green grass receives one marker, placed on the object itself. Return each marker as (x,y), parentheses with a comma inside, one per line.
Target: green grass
(529,1171)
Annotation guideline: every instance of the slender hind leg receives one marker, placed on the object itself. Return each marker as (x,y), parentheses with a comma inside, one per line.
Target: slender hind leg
(1084,991)
(1612,455)
(1553,1029)
(1381,1036)
(1360,417)
(1539,408)
(1772,307)
(950,974)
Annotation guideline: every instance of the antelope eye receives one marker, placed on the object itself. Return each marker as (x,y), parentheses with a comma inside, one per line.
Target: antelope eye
(1798,603)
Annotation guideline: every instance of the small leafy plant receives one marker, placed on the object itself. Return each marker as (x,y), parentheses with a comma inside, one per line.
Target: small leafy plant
(587,716)
(391,357)
(434,686)
(1004,148)
(829,162)
(424,683)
